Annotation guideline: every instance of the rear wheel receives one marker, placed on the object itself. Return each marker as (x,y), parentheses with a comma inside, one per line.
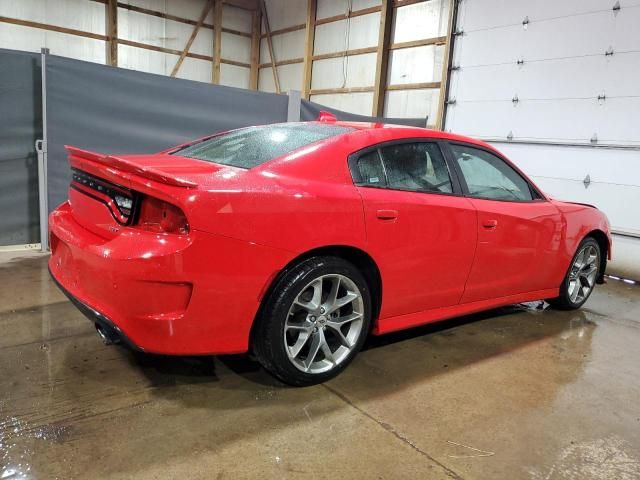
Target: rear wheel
(581,276)
(314,321)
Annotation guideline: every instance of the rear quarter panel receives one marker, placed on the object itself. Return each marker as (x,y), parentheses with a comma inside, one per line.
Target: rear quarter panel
(298,202)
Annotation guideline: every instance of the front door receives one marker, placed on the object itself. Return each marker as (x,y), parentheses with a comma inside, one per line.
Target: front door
(518,231)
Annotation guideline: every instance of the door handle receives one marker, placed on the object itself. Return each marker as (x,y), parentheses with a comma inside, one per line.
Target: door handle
(387,214)
(490,224)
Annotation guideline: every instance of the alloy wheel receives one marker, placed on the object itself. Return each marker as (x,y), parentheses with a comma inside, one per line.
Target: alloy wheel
(582,276)
(324,323)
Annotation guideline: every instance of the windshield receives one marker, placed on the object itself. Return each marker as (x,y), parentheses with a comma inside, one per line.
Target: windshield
(249,147)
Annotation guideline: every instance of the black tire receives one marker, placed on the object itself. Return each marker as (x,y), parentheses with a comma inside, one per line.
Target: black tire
(268,336)
(563,301)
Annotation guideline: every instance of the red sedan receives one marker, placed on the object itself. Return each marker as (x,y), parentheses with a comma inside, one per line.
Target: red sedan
(298,240)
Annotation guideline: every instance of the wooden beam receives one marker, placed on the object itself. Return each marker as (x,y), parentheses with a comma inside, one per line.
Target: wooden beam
(324,91)
(174,18)
(414,86)
(419,43)
(166,16)
(404,3)
(256,27)
(324,56)
(236,32)
(205,11)
(251,5)
(446,65)
(217,41)
(265,18)
(235,62)
(309,39)
(344,16)
(345,53)
(293,28)
(52,28)
(155,48)
(382,59)
(279,63)
(111,30)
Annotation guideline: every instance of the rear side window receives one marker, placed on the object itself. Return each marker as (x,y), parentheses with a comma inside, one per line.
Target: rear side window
(249,147)
(418,167)
(371,170)
(408,166)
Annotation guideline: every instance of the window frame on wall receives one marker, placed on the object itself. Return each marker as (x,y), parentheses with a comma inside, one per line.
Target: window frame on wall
(357,179)
(536,194)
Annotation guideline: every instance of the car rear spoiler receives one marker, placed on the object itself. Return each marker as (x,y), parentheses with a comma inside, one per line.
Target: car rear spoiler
(130,166)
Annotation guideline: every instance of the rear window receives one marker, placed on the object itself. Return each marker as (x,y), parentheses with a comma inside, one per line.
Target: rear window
(252,146)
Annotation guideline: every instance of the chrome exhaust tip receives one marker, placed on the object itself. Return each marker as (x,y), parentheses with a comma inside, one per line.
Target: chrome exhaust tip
(104,335)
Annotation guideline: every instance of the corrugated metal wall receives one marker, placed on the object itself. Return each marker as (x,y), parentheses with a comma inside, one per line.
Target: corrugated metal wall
(561,79)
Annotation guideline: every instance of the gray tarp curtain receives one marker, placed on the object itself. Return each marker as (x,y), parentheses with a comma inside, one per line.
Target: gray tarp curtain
(20,126)
(110,110)
(310,111)
(113,110)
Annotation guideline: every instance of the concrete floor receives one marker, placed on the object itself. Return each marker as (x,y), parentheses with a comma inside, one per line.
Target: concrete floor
(513,393)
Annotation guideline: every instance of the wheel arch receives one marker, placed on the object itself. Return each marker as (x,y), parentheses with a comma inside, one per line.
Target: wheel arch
(605,250)
(358,257)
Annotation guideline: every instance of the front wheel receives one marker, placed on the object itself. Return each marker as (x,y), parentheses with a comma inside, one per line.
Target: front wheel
(313,322)
(581,276)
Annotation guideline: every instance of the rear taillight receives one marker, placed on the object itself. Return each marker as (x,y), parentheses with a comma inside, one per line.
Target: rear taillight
(162,217)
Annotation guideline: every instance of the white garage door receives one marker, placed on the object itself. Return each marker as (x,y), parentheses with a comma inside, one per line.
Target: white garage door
(556,87)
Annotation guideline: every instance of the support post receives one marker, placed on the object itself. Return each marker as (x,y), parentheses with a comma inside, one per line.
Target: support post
(41,149)
(265,17)
(293,107)
(382,59)
(256,28)
(205,11)
(111,32)
(309,40)
(446,66)
(217,40)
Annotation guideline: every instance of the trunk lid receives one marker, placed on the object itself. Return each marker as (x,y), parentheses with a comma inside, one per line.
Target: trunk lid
(106,190)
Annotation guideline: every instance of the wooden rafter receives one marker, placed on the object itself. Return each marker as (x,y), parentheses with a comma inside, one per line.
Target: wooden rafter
(52,28)
(345,53)
(419,43)
(111,29)
(265,19)
(217,41)
(414,86)
(349,14)
(382,59)
(256,26)
(324,91)
(279,63)
(205,11)
(446,65)
(281,31)
(309,40)
(175,18)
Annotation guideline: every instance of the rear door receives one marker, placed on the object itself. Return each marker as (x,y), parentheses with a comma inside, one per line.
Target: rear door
(519,232)
(420,229)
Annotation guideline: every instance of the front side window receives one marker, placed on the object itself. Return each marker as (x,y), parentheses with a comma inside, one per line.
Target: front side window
(249,147)
(418,167)
(490,177)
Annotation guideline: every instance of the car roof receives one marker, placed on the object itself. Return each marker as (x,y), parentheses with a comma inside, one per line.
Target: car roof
(404,131)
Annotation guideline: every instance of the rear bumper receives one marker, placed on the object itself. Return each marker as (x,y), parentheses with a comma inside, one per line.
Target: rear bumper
(190,294)
(113,331)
